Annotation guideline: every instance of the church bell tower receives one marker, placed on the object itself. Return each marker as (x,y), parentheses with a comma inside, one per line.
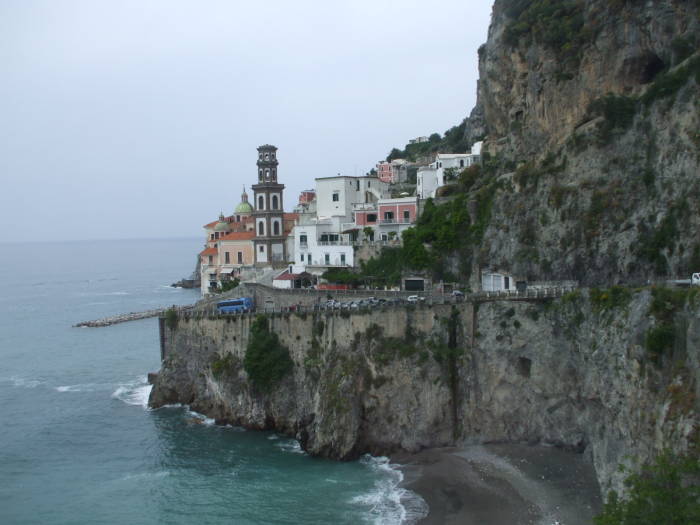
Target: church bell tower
(268,211)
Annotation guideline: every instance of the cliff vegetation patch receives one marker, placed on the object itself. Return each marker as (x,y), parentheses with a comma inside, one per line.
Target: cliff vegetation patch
(266,360)
(665,491)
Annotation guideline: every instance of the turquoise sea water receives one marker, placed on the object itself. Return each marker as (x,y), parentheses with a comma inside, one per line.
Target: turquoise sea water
(77,442)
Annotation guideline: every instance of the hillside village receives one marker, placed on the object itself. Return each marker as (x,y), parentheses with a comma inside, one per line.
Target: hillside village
(341,223)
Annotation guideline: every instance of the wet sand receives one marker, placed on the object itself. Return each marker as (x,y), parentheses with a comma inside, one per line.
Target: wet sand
(502,485)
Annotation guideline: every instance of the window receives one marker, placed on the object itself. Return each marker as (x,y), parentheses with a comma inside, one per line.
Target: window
(260,157)
(274,202)
(211,259)
(212,236)
(261,228)
(302,238)
(357,184)
(261,202)
(267,174)
(406,215)
(240,257)
(216,235)
(327,258)
(336,196)
(267,156)
(276,228)
(301,257)
(227,258)
(371,217)
(388,215)
(461,163)
(260,173)
(262,248)
(342,259)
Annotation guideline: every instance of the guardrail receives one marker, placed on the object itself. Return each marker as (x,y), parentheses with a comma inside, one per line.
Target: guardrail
(397,300)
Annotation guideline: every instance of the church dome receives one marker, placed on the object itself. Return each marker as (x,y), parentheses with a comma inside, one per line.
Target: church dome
(244,207)
(222,225)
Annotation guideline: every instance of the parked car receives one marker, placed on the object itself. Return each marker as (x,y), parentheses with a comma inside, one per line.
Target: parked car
(415,298)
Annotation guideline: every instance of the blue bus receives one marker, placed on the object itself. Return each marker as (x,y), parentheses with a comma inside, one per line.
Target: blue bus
(234,306)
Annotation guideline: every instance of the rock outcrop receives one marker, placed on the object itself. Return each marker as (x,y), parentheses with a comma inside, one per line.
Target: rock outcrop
(591,111)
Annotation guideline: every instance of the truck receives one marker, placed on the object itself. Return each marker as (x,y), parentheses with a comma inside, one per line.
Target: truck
(693,281)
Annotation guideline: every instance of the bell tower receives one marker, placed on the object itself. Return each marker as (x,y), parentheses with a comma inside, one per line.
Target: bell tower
(268,211)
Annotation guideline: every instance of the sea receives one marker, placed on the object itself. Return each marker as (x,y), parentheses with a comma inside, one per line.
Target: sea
(78,443)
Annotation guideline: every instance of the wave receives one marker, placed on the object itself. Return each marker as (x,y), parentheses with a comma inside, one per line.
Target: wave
(134,393)
(22,382)
(87,387)
(290,445)
(201,419)
(388,502)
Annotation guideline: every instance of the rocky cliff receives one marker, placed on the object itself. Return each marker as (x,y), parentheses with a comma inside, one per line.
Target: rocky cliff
(591,111)
(573,372)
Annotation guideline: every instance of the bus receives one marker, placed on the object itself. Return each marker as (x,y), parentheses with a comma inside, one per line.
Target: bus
(234,306)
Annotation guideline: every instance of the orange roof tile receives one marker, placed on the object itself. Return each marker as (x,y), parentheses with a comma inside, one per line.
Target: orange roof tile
(238,236)
(210,251)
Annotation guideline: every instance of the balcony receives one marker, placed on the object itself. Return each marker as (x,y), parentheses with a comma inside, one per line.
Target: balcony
(396,221)
(335,243)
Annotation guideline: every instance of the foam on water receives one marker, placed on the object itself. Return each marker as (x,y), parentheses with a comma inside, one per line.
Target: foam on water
(87,387)
(388,502)
(200,418)
(22,382)
(134,393)
(290,445)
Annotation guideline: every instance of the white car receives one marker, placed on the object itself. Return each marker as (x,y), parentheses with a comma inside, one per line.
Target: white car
(415,298)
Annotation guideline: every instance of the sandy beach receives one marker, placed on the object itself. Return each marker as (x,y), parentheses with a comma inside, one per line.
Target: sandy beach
(502,485)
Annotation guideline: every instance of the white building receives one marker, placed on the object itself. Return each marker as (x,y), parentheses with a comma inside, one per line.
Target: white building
(445,166)
(322,239)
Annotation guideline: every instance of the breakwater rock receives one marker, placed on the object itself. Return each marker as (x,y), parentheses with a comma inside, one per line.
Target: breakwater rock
(575,372)
(124,318)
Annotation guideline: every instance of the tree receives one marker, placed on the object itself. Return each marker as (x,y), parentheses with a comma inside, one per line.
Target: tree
(266,360)
(665,492)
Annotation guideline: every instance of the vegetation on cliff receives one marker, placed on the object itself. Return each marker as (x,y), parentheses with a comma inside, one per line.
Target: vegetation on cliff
(666,491)
(266,360)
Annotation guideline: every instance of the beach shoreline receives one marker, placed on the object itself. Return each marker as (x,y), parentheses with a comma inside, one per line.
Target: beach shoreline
(502,485)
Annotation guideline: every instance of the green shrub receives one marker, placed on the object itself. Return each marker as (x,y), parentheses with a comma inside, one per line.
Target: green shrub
(266,360)
(660,339)
(665,492)
(614,297)
(618,113)
(171,318)
(226,365)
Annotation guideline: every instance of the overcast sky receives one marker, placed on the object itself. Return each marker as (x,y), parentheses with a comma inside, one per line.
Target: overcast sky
(141,118)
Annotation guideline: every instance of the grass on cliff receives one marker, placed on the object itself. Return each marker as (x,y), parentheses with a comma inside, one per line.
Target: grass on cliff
(666,302)
(664,492)
(266,360)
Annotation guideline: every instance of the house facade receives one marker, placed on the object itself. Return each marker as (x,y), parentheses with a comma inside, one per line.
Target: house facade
(444,169)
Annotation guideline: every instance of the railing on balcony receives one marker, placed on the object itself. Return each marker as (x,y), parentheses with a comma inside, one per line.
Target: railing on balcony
(396,221)
(335,243)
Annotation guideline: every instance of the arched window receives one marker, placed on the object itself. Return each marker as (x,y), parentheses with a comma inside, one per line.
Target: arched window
(274,202)
(267,156)
(267,174)
(260,175)
(261,202)
(261,228)
(276,227)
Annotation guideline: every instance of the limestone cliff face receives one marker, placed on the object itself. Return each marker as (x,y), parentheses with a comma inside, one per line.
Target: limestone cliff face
(592,187)
(562,372)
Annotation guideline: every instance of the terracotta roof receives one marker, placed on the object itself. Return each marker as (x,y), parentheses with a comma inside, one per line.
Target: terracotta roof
(210,225)
(291,216)
(238,236)
(210,251)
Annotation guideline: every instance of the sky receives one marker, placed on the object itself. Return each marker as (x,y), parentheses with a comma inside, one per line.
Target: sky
(141,118)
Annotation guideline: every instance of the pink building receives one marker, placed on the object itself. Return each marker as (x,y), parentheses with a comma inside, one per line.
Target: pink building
(384,172)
